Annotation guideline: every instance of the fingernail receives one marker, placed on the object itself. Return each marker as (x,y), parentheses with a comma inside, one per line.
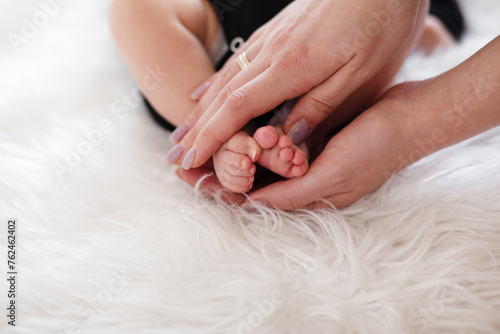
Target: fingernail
(298,132)
(189,158)
(253,207)
(199,91)
(174,154)
(179,133)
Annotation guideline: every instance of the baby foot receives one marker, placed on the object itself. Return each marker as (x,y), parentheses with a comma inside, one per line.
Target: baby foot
(279,155)
(234,162)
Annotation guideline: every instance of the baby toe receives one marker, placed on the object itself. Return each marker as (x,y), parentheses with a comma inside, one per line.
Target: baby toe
(236,160)
(285,142)
(240,184)
(244,144)
(266,137)
(240,172)
(286,154)
(299,158)
(299,170)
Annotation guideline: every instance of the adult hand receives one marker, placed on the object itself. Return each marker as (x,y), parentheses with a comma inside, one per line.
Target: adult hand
(321,49)
(409,122)
(354,163)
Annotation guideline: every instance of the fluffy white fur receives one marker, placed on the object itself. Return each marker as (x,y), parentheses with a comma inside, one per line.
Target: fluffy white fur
(120,245)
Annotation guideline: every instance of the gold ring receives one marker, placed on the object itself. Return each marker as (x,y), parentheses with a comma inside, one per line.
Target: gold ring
(242,60)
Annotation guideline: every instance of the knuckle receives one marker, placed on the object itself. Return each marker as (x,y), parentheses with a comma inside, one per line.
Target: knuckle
(296,66)
(323,105)
(294,203)
(225,74)
(297,59)
(282,38)
(290,200)
(224,95)
(236,101)
(291,204)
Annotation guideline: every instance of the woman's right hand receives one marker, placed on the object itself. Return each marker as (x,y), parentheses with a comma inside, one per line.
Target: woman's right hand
(321,49)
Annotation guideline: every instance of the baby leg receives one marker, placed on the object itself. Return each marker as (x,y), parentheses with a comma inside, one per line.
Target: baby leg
(170,37)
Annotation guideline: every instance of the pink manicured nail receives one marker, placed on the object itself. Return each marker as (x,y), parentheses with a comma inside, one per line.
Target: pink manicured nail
(174,154)
(199,91)
(252,207)
(179,133)
(298,132)
(189,158)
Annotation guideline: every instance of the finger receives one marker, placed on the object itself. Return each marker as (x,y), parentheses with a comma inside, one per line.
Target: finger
(337,202)
(284,195)
(178,134)
(230,69)
(209,105)
(205,93)
(266,91)
(296,193)
(321,101)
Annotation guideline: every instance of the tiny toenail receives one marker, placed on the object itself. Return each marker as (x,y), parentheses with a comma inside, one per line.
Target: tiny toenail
(298,132)
(174,154)
(253,155)
(179,133)
(189,158)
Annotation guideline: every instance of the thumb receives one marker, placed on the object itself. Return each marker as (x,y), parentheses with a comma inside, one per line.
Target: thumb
(290,194)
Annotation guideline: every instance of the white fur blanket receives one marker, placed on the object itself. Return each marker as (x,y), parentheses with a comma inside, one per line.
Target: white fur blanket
(116,243)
